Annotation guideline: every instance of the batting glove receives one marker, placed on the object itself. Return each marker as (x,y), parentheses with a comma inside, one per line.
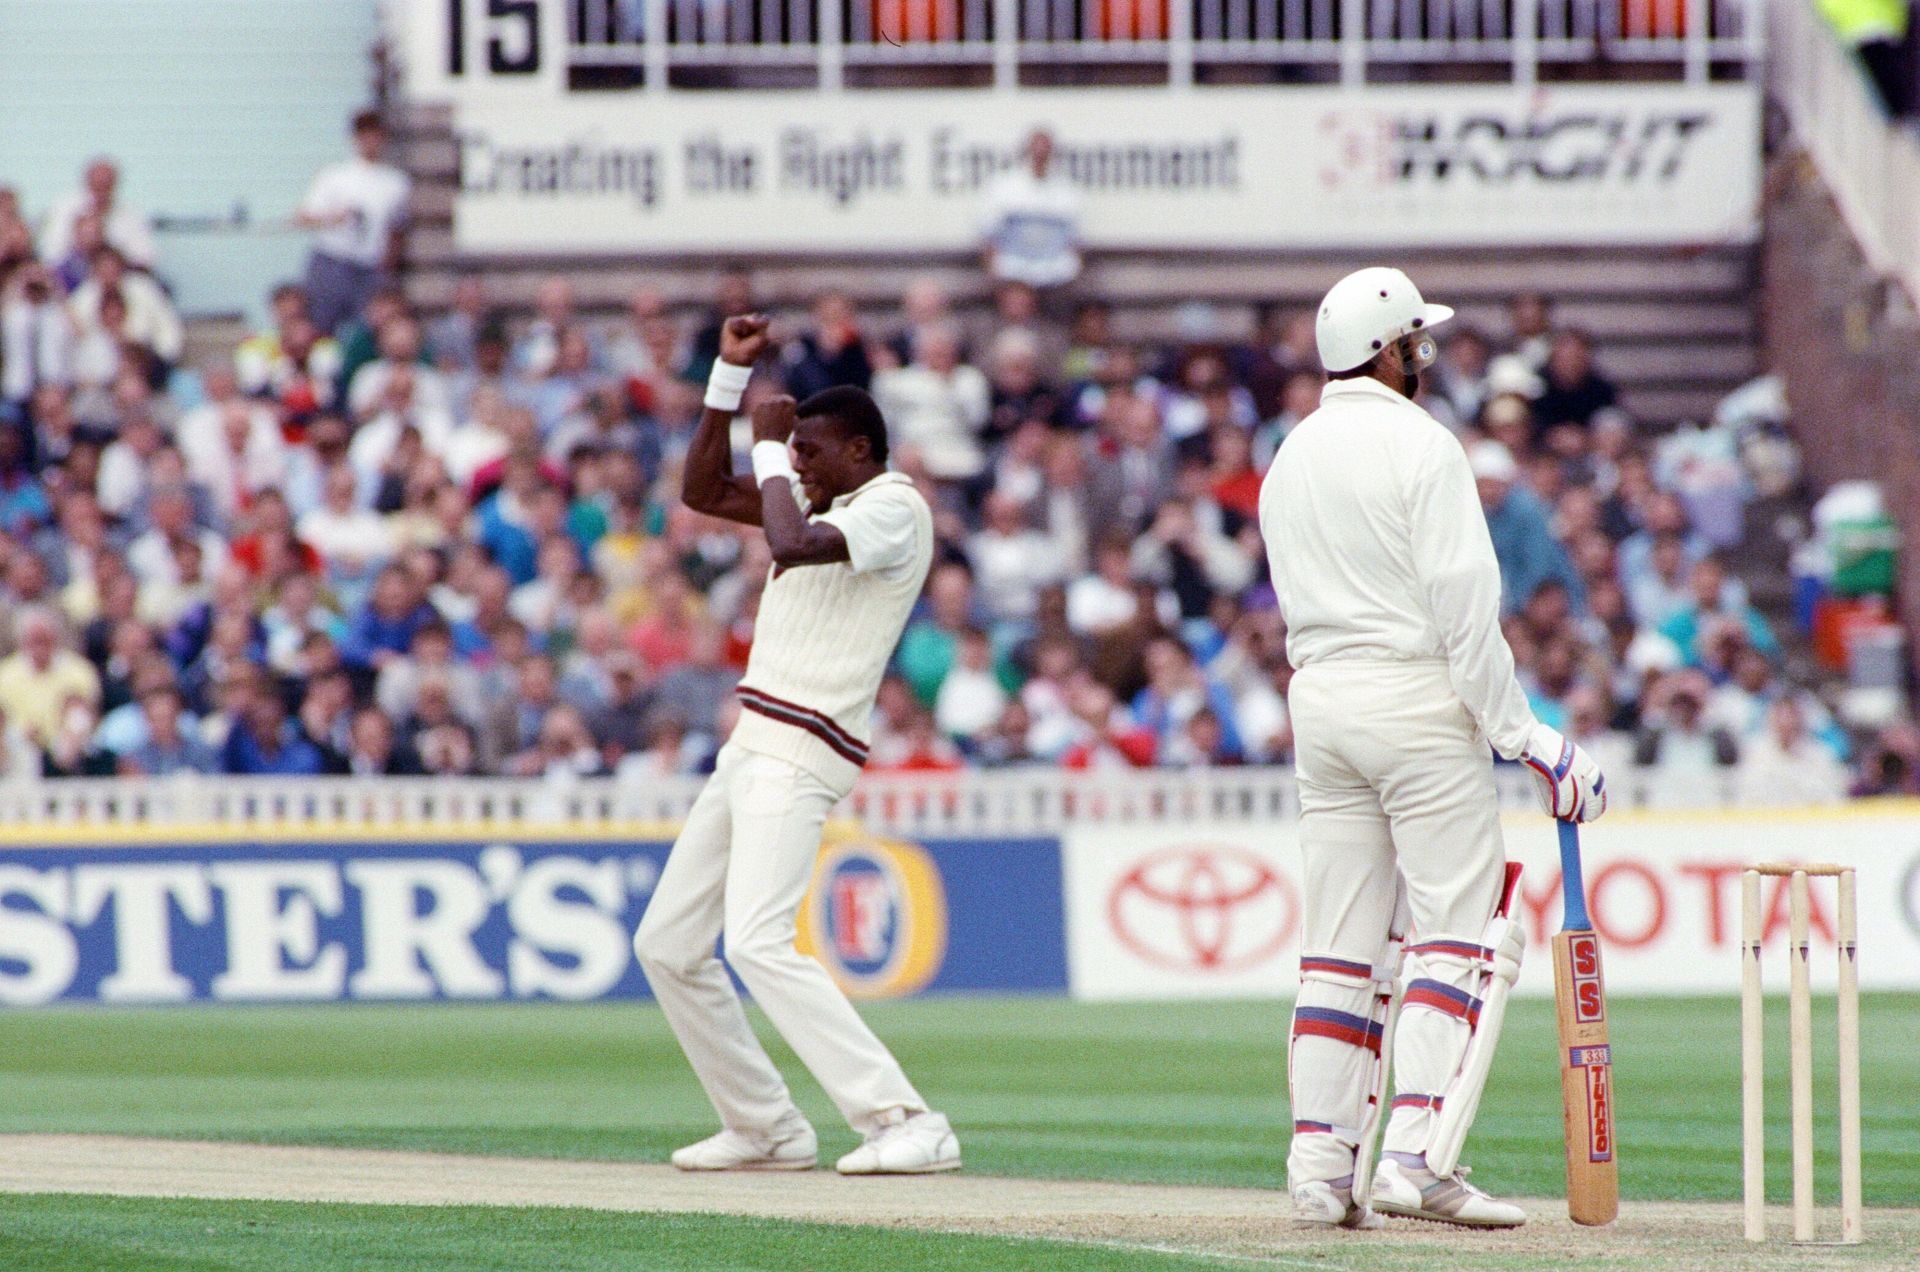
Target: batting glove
(1571,786)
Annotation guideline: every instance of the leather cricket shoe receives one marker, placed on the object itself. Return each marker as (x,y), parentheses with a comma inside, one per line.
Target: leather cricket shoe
(790,1145)
(1329,1204)
(905,1144)
(1414,1192)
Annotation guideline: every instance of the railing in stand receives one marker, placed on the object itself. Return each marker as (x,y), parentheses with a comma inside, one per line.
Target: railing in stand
(1006,802)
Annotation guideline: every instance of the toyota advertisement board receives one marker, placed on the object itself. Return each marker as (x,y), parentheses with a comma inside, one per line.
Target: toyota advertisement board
(1214,911)
(1215,167)
(314,917)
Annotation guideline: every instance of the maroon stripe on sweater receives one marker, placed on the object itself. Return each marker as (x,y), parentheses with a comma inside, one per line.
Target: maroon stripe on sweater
(853,753)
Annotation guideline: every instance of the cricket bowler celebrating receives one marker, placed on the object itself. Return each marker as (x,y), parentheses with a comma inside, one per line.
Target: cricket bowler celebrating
(846,572)
(1387,580)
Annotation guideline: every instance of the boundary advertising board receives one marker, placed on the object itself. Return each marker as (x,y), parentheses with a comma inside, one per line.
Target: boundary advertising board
(318,917)
(1214,911)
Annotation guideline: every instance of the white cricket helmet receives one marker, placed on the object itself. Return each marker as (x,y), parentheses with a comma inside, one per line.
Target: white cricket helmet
(1368,310)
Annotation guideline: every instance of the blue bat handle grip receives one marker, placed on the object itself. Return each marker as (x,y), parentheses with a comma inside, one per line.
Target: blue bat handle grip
(1573,888)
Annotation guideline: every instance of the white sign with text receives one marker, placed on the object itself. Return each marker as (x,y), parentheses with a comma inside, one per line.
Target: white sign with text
(1226,167)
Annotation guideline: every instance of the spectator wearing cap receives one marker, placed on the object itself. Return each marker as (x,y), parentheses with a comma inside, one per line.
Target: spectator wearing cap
(357,210)
(1522,532)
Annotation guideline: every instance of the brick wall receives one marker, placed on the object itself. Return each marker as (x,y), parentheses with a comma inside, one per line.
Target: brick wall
(1849,347)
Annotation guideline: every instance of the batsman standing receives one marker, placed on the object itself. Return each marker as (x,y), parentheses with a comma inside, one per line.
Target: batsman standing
(851,546)
(1387,580)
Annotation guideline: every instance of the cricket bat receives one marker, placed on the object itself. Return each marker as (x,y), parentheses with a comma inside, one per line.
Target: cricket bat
(1586,1057)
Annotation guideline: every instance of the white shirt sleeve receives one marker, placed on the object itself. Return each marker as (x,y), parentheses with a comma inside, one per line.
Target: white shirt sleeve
(1454,563)
(879,530)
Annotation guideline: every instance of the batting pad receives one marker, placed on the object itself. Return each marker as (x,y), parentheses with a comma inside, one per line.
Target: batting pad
(1335,1044)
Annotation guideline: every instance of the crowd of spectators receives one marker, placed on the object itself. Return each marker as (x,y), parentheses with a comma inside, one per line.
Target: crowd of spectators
(453,545)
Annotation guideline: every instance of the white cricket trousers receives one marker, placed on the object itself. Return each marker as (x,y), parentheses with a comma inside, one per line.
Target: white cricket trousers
(1396,784)
(741,865)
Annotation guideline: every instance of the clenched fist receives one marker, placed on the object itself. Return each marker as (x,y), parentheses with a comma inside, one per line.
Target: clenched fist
(773,419)
(743,338)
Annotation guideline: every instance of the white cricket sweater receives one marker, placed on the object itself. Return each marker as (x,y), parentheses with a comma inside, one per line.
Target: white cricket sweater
(825,633)
(1379,550)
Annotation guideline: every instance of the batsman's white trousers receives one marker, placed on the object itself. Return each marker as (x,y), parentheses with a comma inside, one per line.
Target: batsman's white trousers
(1395,784)
(741,865)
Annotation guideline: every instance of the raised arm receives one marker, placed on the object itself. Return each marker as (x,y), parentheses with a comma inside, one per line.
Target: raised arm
(707,482)
(792,538)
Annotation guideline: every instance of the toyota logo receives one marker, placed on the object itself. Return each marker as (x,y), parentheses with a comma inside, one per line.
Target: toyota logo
(1209,908)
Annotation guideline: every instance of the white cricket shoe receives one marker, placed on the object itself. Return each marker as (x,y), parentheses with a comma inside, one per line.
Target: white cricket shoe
(905,1144)
(790,1145)
(1415,1192)
(1329,1204)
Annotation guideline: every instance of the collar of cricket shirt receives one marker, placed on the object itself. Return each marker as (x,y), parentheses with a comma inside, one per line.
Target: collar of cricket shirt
(1362,384)
(841,501)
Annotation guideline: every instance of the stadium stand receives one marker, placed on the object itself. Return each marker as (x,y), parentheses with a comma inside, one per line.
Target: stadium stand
(443,537)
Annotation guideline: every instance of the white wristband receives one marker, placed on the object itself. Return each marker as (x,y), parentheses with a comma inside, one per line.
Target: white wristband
(770,459)
(726,385)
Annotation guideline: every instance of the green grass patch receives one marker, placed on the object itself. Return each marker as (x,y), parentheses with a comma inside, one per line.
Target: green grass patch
(61,1233)
(1172,1093)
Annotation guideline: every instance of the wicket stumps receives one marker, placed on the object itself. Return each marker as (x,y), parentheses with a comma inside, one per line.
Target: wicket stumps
(1800,1016)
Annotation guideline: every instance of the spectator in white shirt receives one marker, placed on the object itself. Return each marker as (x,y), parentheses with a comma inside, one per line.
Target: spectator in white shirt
(1785,764)
(1105,600)
(236,454)
(231,442)
(971,698)
(401,408)
(152,556)
(151,319)
(937,406)
(357,209)
(1011,560)
(1030,220)
(125,227)
(399,347)
(353,541)
(36,334)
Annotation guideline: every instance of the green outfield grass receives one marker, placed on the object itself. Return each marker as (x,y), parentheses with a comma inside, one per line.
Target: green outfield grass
(1175,1093)
(61,1233)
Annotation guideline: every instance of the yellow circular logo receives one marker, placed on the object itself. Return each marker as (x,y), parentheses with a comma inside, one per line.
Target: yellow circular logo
(875,914)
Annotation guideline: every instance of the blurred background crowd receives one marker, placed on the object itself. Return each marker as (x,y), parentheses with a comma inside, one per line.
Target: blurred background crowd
(367,542)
